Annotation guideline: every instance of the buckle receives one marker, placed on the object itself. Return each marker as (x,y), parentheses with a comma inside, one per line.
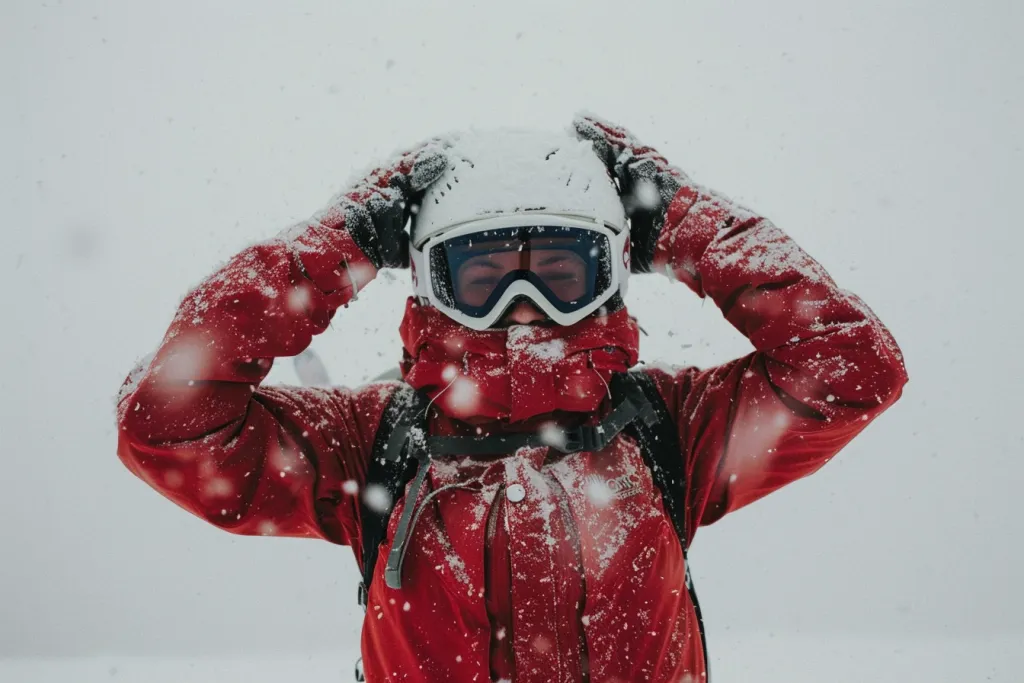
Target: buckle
(579,439)
(363,596)
(573,443)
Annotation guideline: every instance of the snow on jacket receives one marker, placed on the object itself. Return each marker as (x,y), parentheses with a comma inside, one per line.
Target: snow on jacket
(558,584)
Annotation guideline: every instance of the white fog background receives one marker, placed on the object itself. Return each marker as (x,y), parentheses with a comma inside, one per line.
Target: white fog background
(142,143)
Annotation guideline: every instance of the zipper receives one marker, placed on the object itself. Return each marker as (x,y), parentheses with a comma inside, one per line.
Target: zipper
(490,532)
(570,521)
(492,515)
(574,532)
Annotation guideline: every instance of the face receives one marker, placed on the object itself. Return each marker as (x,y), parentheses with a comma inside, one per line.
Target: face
(561,269)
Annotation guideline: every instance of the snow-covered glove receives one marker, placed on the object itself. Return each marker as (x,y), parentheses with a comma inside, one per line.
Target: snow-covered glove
(376,208)
(647,182)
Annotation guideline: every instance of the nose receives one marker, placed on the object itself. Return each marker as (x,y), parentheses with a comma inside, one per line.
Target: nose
(524,313)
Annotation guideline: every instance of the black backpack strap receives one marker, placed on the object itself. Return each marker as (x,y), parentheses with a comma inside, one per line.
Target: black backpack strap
(629,407)
(390,467)
(659,443)
(662,452)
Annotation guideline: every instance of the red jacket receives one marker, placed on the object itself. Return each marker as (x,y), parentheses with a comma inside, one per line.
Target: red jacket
(558,585)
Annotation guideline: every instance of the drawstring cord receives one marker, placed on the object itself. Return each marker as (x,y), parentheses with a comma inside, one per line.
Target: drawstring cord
(590,362)
(465,367)
(420,507)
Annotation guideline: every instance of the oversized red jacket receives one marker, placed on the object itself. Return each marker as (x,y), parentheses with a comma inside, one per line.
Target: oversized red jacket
(558,585)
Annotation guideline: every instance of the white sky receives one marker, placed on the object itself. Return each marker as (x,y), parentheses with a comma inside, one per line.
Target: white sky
(143,143)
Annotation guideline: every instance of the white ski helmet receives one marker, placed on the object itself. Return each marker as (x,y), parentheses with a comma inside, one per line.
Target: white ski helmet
(521,190)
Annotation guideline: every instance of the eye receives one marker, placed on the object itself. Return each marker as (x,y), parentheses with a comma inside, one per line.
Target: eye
(485,280)
(559,276)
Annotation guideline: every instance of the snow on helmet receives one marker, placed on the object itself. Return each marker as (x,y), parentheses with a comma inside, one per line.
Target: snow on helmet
(509,171)
(526,192)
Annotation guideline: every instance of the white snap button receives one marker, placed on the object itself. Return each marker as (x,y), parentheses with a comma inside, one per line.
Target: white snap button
(515,493)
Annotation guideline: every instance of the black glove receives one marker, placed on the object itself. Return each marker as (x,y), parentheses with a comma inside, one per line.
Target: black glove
(647,183)
(377,208)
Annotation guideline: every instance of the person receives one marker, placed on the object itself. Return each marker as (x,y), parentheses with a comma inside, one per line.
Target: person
(547,560)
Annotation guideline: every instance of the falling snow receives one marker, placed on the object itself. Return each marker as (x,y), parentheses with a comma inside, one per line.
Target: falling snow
(377,498)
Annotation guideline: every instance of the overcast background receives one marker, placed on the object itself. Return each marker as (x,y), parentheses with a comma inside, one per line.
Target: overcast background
(142,143)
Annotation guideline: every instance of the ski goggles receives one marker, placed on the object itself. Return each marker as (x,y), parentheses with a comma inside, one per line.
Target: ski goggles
(568,267)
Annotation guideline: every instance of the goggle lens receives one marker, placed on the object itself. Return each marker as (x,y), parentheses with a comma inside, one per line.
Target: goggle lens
(569,266)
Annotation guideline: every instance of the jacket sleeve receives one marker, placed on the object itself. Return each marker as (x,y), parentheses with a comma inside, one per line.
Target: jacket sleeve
(823,367)
(195,424)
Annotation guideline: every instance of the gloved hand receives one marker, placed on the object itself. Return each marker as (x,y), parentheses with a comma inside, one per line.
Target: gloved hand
(647,182)
(376,209)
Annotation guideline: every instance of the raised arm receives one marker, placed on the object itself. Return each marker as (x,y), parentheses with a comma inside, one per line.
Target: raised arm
(194,422)
(823,367)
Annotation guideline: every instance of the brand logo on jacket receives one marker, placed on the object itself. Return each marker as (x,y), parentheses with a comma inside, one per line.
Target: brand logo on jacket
(616,488)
